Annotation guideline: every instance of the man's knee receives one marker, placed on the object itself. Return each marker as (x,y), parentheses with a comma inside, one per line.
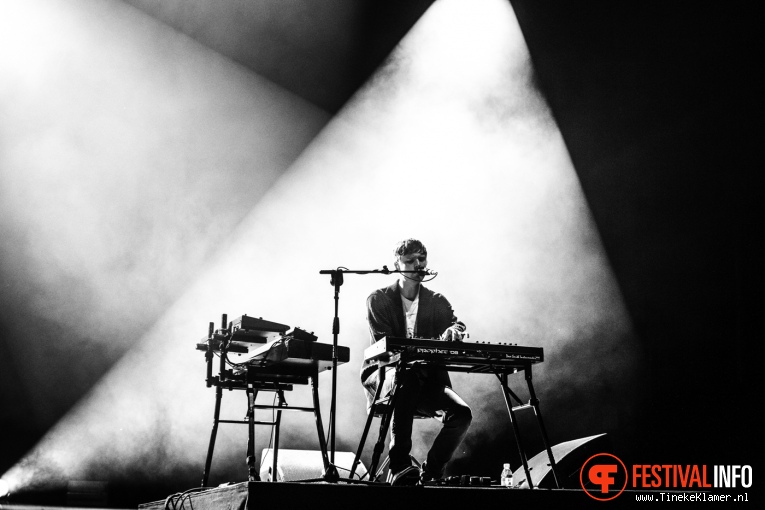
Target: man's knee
(467,415)
(461,416)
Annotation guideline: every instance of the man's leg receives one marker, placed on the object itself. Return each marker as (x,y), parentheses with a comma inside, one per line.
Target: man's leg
(408,391)
(456,422)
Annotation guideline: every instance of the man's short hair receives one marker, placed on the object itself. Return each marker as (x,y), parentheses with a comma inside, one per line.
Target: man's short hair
(409,246)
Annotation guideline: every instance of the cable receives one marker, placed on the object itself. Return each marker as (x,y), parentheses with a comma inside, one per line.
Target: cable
(260,362)
(273,418)
(421,281)
(172,500)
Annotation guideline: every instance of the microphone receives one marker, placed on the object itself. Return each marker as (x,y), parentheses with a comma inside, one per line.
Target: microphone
(426,272)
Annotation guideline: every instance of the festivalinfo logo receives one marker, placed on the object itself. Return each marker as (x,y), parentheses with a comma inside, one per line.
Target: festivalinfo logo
(604,477)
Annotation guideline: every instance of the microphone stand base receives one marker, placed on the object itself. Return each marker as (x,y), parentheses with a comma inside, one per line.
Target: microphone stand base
(330,475)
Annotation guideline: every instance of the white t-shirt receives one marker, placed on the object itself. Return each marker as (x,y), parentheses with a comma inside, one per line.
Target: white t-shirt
(410,314)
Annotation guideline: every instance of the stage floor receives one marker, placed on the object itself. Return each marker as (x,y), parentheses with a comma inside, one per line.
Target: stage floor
(252,495)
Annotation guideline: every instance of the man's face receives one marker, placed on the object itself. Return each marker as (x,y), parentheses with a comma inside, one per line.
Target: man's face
(414,261)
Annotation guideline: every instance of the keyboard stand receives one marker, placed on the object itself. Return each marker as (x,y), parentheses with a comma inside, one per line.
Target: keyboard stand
(533,403)
(501,371)
(254,378)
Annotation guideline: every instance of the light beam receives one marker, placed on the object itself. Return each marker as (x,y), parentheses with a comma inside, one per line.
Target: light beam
(449,142)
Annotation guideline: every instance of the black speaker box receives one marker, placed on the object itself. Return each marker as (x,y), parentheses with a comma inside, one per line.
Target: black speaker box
(569,457)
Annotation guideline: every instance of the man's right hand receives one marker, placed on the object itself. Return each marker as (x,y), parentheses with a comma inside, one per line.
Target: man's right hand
(452,335)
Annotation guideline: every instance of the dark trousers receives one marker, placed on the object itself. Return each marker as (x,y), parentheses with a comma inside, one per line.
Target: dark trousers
(420,393)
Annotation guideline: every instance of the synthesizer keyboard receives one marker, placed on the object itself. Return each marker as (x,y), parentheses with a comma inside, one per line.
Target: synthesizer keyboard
(454,356)
(297,352)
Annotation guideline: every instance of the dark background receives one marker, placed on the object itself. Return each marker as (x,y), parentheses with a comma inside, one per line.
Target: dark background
(658,103)
(657,106)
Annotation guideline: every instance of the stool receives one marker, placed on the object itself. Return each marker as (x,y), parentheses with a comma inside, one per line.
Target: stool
(382,407)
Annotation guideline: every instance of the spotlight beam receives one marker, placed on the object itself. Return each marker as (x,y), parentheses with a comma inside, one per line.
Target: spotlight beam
(449,142)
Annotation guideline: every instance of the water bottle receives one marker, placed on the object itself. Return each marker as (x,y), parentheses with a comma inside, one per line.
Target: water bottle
(506,478)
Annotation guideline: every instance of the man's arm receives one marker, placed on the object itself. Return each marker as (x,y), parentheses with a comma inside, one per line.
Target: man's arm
(379,317)
(455,331)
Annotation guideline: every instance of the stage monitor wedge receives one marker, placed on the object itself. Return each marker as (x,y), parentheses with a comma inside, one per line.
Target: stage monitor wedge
(569,457)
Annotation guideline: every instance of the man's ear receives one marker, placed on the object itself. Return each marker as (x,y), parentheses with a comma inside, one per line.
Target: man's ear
(396,264)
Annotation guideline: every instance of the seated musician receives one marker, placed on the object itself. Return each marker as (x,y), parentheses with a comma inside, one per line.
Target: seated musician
(408,309)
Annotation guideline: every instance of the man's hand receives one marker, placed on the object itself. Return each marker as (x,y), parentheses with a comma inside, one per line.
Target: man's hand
(452,334)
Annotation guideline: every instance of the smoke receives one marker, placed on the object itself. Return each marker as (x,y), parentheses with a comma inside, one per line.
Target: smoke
(129,153)
(494,197)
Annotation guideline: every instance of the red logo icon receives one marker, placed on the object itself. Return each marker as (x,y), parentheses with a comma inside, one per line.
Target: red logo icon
(603,476)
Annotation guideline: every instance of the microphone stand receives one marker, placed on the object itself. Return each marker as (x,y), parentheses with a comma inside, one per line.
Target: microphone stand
(336,280)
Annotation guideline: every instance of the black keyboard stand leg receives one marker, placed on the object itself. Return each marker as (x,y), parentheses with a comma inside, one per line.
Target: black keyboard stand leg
(363,440)
(380,444)
(252,473)
(538,413)
(213,435)
(516,430)
(275,451)
(364,434)
(330,471)
(385,420)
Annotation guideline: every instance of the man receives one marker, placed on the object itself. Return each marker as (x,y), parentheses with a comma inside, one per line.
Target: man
(408,309)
